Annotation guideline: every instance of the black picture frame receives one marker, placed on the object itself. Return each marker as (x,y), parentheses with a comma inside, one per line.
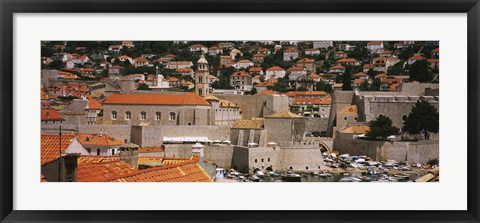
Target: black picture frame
(9,7)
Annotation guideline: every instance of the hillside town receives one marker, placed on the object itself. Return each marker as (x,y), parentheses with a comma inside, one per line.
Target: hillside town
(240,111)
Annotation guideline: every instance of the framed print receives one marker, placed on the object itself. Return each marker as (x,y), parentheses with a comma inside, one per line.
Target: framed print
(239,111)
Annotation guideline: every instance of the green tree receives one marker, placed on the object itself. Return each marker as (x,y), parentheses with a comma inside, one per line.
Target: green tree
(281,85)
(322,86)
(423,116)
(143,86)
(421,71)
(396,69)
(375,86)
(253,91)
(381,128)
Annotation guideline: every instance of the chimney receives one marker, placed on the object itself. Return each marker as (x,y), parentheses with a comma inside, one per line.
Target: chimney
(129,154)
(197,149)
(68,167)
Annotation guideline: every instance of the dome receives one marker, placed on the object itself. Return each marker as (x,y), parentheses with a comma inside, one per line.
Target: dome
(202,60)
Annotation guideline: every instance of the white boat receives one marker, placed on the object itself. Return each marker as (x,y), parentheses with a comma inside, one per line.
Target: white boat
(350,179)
(325,175)
(260,174)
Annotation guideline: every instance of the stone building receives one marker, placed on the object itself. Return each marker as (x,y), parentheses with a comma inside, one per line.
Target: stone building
(308,63)
(226,112)
(322,44)
(365,106)
(291,54)
(285,126)
(241,81)
(158,109)
(201,77)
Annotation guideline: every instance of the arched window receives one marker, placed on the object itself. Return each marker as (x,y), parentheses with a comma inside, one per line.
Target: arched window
(158,116)
(172,116)
(143,115)
(114,115)
(262,160)
(404,117)
(128,115)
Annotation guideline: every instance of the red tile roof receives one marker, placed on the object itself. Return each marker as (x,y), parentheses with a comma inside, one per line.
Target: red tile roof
(51,147)
(337,67)
(306,60)
(99,140)
(360,74)
(141,59)
(255,69)
(433,60)
(198,45)
(188,171)
(436,50)
(417,57)
(347,60)
(312,101)
(275,68)
(93,104)
(268,92)
(51,115)
(241,74)
(313,75)
(99,168)
(187,98)
(296,69)
(374,43)
(292,50)
(259,55)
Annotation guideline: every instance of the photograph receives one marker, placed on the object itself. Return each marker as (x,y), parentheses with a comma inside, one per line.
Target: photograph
(238,111)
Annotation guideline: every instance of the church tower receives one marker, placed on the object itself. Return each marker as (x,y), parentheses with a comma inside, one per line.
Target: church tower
(201,77)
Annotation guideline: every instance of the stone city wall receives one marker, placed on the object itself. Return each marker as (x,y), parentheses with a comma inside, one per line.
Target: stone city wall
(418,152)
(316,124)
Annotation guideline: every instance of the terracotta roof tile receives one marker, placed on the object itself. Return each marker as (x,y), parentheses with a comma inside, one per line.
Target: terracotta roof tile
(187,98)
(248,124)
(350,109)
(241,74)
(275,68)
(268,92)
(99,140)
(362,129)
(347,60)
(51,147)
(99,168)
(51,115)
(284,114)
(186,171)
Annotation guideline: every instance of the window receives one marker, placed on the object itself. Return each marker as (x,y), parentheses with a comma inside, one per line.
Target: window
(114,115)
(306,167)
(128,115)
(143,115)
(268,159)
(291,168)
(113,152)
(172,116)
(255,160)
(158,116)
(262,160)
(404,117)
(355,118)
(98,152)
(345,118)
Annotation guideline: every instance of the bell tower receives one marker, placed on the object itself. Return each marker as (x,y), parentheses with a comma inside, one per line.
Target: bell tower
(201,77)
